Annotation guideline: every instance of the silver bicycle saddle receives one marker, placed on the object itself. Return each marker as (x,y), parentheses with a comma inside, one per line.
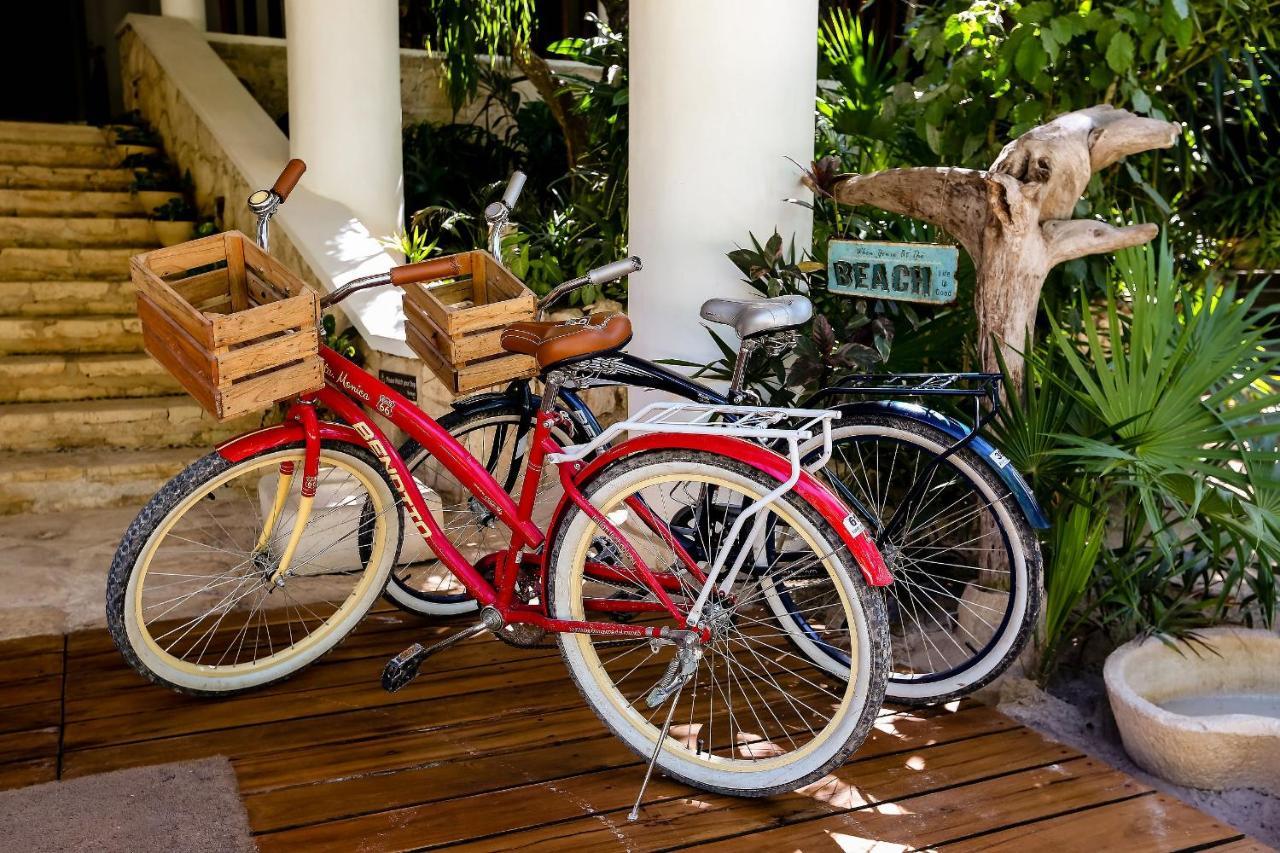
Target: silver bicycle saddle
(753,316)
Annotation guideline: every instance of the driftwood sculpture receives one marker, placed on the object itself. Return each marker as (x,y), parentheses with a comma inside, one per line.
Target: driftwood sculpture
(1014,219)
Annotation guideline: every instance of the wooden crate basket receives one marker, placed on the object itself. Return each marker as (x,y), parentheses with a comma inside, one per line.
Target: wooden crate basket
(236,328)
(455,324)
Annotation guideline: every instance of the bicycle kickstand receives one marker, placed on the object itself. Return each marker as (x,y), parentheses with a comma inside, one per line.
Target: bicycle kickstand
(653,759)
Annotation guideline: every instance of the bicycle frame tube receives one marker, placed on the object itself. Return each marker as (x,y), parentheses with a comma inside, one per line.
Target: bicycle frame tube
(345,384)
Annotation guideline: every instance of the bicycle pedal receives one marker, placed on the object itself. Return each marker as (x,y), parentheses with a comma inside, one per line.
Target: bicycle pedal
(403,668)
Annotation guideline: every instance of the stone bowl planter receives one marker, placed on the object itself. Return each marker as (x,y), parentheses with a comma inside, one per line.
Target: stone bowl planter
(1197,718)
(173,233)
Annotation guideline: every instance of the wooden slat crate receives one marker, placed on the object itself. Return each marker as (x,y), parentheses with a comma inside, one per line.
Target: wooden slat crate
(232,324)
(455,324)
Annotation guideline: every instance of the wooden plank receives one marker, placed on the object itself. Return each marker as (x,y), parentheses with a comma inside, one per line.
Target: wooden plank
(686,817)
(171,304)
(203,289)
(166,350)
(287,736)
(32,666)
(186,256)
(1153,823)
(294,313)
(238,285)
(256,709)
(20,774)
(28,745)
(22,647)
(261,392)
(282,350)
(31,691)
(271,270)
(37,715)
(126,694)
(608,769)
(455,350)
(941,816)
(494,371)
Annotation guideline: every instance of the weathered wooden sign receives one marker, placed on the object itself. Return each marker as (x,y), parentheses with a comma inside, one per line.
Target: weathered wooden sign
(906,272)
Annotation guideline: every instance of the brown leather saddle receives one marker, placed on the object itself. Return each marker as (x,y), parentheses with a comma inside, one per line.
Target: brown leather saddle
(552,343)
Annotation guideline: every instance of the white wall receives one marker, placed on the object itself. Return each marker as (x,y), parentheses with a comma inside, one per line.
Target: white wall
(722,92)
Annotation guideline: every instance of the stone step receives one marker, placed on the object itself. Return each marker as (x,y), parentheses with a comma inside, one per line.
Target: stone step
(62,298)
(17,176)
(90,333)
(85,479)
(28,202)
(127,423)
(24,263)
(69,134)
(65,232)
(99,156)
(60,377)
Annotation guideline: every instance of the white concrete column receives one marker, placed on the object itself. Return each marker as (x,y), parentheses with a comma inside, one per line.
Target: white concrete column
(721,94)
(189,10)
(344,104)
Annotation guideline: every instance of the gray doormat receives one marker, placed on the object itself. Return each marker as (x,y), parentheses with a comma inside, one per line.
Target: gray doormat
(188,805)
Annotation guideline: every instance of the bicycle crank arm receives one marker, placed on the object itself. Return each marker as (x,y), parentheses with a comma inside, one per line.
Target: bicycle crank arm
(404,667)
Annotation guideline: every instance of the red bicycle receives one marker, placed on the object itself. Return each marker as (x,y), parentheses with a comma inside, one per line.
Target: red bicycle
(263,555)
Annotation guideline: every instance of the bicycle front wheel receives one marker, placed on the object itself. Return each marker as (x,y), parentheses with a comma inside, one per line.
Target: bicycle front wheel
(751,717)
(196,600)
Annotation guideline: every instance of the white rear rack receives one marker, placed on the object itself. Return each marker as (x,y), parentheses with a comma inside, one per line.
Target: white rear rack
(770,426)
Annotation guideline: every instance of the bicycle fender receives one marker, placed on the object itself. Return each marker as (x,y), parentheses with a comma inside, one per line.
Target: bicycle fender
(956,429)
(251,443)
(828,505)
(483,401)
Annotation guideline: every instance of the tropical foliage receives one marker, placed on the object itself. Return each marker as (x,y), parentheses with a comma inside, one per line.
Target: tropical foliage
(1148,429)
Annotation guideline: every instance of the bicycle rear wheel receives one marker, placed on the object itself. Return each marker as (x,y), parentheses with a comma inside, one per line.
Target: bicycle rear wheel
(194,601)
(966,565)
(751,718)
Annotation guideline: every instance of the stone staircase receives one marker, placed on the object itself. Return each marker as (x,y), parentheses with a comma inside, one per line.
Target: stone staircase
(87,419)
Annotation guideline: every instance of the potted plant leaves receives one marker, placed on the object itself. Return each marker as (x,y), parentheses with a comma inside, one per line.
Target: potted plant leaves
(131,140)
(175,222)
(154,187)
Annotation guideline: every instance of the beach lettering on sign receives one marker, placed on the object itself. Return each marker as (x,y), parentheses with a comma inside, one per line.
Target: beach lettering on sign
(906,272)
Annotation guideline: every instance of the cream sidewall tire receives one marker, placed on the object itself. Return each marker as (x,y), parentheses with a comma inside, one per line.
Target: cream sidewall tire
(914,690)
(739,777)
(295,657)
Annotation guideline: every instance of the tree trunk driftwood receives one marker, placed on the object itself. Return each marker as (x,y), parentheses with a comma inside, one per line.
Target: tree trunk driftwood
(1014,219)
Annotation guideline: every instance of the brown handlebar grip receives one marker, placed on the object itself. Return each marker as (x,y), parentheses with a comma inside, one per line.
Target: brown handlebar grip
(446,267)
(289,178)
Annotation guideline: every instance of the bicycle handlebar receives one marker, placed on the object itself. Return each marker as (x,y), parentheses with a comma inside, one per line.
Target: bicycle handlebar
(597,276)
(446,267)
(289,178)
(514,187)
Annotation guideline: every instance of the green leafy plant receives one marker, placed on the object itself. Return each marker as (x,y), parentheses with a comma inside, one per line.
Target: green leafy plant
(135,135)
(344,343)
(154,179)
(174,210)
(1149,420)
(413,244)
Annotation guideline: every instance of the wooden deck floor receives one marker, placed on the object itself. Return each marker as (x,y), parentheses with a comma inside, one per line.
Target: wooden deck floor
(492,749)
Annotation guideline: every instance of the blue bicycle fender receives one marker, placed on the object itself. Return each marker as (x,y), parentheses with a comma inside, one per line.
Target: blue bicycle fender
(956,429)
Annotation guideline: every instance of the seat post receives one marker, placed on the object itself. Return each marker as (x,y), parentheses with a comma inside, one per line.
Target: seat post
(745,350)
